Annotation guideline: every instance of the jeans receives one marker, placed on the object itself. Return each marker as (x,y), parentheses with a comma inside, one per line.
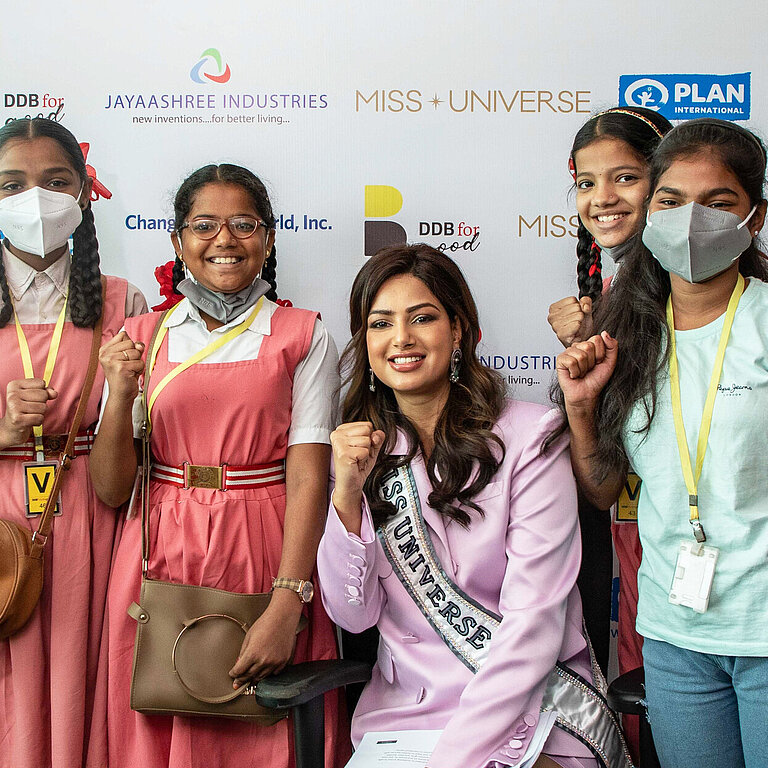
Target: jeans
(706,709)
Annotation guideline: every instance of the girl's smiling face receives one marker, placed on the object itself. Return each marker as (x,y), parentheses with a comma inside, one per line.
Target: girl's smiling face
(225,263)
(612,185)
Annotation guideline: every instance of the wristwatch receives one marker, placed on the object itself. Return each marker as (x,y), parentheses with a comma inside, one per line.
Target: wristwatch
(304,589)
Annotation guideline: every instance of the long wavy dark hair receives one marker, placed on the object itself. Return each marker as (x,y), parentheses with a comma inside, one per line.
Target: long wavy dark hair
(641,130)
(635,313)
(226,174)
(467,452)
(85,275)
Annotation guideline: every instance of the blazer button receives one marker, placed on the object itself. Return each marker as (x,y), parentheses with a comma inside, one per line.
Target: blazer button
(521,728)
(530,720)
(352,591)
(409,638)
(354,580)
(356,559)
(354,601)
(515,743)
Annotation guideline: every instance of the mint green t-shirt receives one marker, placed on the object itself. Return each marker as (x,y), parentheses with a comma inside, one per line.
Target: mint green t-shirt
(733,489)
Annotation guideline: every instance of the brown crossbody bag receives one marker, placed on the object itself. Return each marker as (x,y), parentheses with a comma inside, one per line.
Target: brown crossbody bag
(21,549)
(189,637)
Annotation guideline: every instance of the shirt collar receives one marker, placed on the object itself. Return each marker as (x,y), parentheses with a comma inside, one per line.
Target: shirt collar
(188,312)
(20,275)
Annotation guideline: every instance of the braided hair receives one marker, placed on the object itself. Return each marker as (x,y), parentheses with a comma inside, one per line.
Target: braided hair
(641,129)
(85,275)
(226,174)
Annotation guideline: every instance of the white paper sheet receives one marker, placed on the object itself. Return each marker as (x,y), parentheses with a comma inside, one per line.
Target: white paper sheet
(395,749)
(412,749)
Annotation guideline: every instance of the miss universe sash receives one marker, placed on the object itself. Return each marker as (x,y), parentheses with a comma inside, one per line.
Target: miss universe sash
(467,628)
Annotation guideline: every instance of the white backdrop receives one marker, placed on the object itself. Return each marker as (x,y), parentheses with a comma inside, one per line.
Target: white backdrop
(325,99)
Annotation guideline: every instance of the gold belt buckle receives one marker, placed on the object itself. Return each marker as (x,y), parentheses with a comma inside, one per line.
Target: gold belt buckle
(201,476)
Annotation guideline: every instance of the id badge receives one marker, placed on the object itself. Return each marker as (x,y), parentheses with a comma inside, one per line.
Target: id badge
(694,574)
(626,507)
(38,483)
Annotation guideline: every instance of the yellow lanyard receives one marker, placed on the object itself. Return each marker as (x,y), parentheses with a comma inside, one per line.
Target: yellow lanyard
(50,363)
(691,481)
(209,349)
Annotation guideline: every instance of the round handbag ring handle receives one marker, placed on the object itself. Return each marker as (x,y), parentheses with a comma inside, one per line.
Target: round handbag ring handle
(195,694)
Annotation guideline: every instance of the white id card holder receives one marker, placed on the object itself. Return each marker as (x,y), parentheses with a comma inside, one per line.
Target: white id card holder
(694,574)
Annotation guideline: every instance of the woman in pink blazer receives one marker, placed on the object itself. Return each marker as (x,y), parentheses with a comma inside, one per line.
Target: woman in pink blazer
(453,533)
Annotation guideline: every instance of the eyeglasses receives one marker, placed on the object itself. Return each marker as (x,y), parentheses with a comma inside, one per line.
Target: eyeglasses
(241,227)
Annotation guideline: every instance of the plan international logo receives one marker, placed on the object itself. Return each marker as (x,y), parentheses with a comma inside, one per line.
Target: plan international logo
(684,97)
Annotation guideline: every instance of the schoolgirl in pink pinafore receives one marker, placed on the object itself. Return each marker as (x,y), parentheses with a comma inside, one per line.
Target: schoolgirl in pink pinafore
(48,669)
(238,413)
(52,697)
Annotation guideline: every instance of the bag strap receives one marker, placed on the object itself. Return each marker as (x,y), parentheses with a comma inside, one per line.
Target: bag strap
(146,458)
(40,536)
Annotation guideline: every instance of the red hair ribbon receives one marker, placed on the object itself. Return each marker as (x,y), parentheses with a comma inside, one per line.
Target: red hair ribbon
(164,276)
(98,189)
(572,167)
(596,264)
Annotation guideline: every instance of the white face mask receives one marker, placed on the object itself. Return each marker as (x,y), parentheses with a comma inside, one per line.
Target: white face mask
(696,242)
(39,220)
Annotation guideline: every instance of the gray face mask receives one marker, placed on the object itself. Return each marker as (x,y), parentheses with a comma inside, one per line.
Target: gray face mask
(223,307)
(617,252)
(696,242)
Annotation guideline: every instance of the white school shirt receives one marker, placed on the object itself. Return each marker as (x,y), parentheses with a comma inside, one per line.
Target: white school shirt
(315,395)
(39,296)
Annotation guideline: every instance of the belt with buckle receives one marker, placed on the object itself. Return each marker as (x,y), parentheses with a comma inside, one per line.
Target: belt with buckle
(53,445)
(223,477)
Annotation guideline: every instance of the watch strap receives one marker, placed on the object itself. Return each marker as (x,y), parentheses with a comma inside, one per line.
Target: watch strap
(295,585)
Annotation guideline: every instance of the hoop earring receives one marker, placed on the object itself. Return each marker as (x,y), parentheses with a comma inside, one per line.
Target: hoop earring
(372,380)
(456,356)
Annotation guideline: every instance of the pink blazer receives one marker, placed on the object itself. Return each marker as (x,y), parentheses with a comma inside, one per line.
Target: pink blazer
(519,561)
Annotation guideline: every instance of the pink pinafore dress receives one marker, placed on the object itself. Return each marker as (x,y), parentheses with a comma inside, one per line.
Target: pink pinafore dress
(238,413)
(52,709)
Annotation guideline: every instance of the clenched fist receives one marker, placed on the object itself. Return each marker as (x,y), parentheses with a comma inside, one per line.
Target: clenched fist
(26,401)
(121,360)
(570,319)
(584,369)
(356,447)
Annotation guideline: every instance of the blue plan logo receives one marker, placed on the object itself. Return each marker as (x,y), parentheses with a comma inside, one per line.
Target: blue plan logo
(684,97)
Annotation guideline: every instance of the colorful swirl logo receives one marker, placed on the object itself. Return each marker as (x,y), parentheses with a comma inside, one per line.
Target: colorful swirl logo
(223,72)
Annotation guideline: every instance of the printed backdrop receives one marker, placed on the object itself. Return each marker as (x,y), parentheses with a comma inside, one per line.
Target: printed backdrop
(442,122)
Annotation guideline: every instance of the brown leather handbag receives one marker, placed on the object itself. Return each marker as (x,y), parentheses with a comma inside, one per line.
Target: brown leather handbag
(21,550)
(189,637)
